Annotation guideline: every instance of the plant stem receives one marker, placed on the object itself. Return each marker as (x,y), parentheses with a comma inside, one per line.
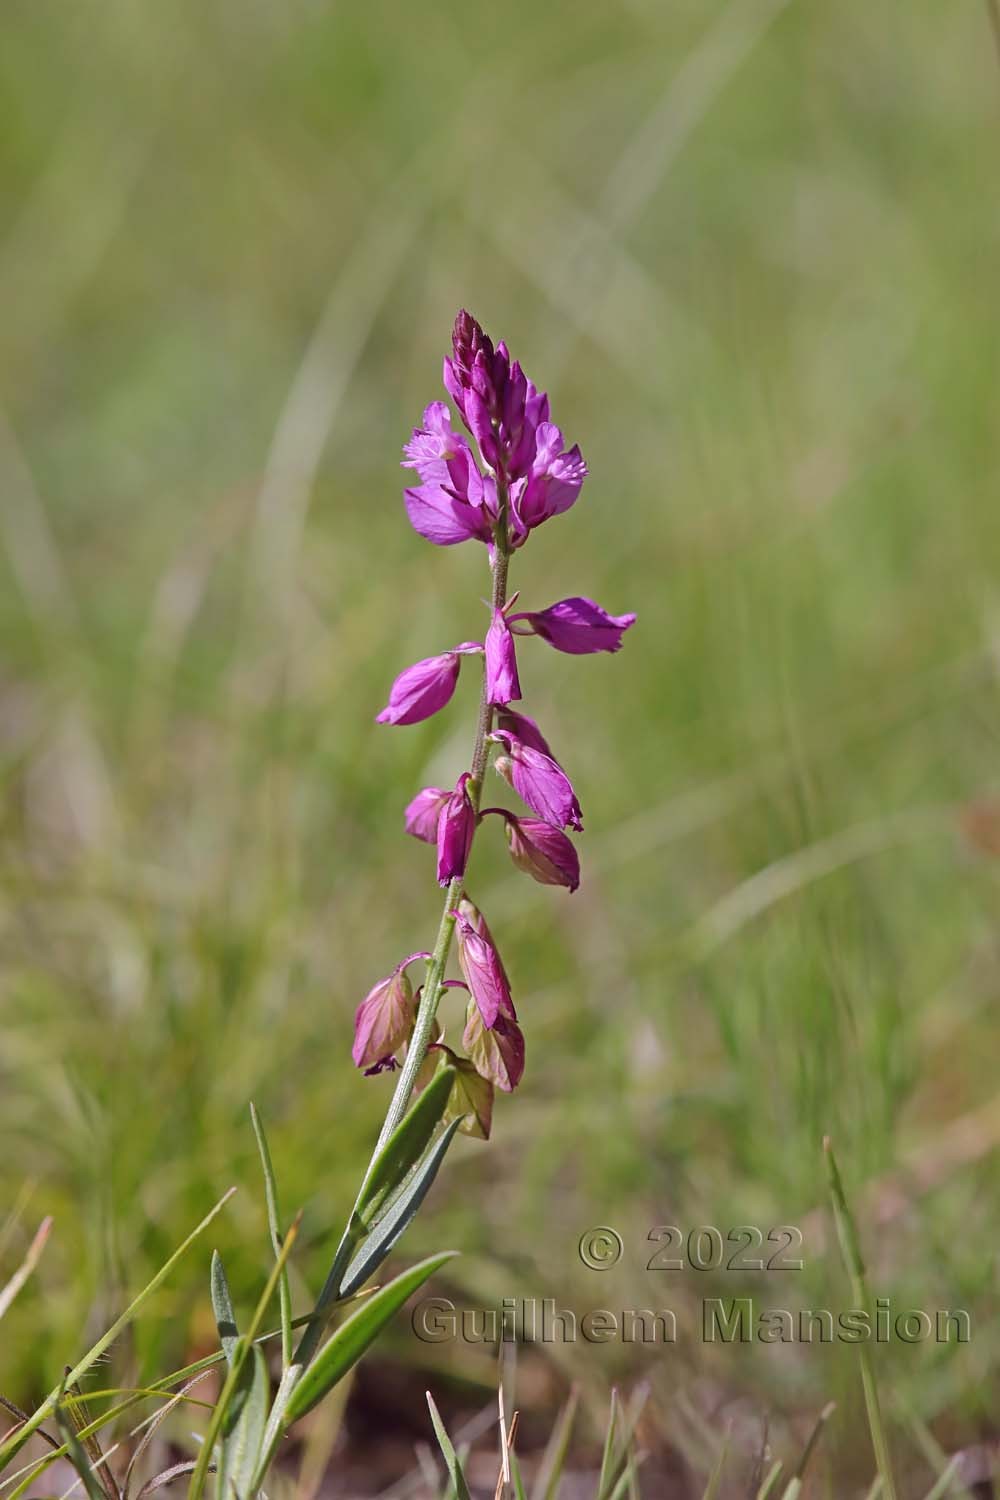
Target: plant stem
(438,961)
(436,965)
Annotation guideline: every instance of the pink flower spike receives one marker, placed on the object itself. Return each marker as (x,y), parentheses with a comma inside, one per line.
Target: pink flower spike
(455,831)
(421,816)
(539,780)
(483,970)
(578,626)
(502,685)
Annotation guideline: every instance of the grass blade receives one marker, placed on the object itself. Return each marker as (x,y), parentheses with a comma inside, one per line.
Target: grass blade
(17,1440)
(459,1487)
(942,1483)
(27,1266)
(715,1478)
(850,1247)
(771,1479)
(352,1338)
(274,1229)
(77,1457)
(546,1486)
(608,1464)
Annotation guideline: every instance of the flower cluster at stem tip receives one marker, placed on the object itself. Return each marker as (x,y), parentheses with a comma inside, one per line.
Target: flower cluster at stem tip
(518,475)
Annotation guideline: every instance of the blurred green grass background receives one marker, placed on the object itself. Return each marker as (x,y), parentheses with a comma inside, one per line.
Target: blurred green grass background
(750,249)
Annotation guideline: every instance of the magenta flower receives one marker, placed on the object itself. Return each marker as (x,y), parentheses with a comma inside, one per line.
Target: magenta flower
(502,685)
(498,403)
(577,626)
(384,1019)
(455,831)
(484,972)
(453,502)
(496,1051)
(540,850)
(550,488)
(539,780)
(425,687)
(421,816)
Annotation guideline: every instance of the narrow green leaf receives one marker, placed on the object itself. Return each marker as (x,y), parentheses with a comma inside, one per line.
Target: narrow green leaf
(385,1176)
(546,1486)
(354,1335)
(275,1422)
(517,1481)
(222,1306)
(850,1247)
(459,1487)
(27,1266)
(17,1439)
(243,1430)
(274,1229)
(813,1439)
(942,1483)
(770,1480)
(404,1147)
(387,1230)
(221,1411)
(715,1479)
(77,1456)
(608,1464)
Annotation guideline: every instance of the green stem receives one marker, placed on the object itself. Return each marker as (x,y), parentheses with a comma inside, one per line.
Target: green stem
(438,961)
(437,964)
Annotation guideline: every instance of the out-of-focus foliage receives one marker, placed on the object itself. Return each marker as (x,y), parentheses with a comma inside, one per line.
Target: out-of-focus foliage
(751,250)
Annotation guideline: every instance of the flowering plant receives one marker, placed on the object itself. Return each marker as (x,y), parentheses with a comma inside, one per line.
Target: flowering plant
(512,477)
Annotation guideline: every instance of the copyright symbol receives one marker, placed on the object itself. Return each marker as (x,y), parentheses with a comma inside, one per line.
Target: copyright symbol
(601,1248)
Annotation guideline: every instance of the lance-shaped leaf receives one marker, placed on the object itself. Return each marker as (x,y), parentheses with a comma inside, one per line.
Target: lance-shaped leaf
(386,1232)
(354,1335)
(222,1306)
(243,1429)
(459,1487)
(402,1150)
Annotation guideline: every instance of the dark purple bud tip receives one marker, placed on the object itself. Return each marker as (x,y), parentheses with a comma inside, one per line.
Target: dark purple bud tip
(384,1065)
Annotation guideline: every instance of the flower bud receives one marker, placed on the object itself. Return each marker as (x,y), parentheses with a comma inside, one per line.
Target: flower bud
(539,780)
(455,831)
(502,685)
(497,1051)
(384,1021)
(483,969)
(542,851)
